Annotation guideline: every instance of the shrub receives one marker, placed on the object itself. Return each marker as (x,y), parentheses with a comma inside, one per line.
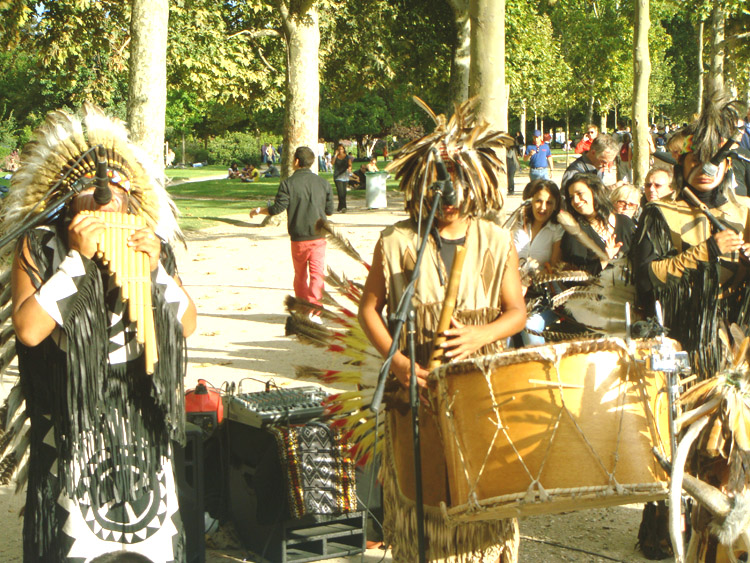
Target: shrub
(239,147)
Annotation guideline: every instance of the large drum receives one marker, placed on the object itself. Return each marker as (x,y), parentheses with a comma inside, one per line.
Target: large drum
(552,428)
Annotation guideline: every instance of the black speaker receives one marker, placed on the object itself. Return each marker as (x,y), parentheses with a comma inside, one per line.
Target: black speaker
(188,463)
(259,506)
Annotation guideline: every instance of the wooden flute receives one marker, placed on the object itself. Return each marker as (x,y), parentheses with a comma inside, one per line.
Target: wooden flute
(449,305)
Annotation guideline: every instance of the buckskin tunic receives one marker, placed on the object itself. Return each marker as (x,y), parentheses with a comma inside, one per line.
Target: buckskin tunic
(478,302)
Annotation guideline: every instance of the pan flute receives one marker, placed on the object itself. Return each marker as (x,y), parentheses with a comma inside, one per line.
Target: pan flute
(131,270)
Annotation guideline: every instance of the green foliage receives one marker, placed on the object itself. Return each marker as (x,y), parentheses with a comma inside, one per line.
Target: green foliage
(536,71)
(238,147)
(9,138)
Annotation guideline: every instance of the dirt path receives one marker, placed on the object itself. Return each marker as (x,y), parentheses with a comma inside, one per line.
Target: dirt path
(239,273)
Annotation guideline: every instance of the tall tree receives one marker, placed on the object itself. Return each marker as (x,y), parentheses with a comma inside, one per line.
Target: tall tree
(461,61)
(487,70)
(487,76)
(641,73)
(147,94)
(300,29)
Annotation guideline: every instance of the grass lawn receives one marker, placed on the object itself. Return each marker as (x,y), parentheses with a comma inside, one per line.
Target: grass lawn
(205,203)
(195,173)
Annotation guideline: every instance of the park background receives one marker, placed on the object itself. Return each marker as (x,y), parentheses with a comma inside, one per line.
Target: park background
(218,79)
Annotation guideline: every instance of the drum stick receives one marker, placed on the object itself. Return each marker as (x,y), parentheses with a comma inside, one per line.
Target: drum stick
(449,304)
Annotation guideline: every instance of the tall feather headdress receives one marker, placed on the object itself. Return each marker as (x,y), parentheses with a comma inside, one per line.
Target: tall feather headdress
(58,150)
(716,123)
(467,146)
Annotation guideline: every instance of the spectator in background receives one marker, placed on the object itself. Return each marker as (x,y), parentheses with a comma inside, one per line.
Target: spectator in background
(270,154)
(584,145)
(250,173)
(511,166)
(264,153)
(626,199)
(598,160)
(538,238)
(234,171)
(307,198)
(539,156)
(12,161)
(272,172)
(342,169)
(624,159)
(329,166)
(658,183)
(520,143)
(321,154)
(539,235)
(586,199)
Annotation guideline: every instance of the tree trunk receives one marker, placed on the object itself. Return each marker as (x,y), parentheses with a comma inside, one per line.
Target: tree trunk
(701,72)
(459,85)
(603,120)
(302,36)
(487,74)
(590,107)
(522,124)
(147,90)
(716,72)
(641,74)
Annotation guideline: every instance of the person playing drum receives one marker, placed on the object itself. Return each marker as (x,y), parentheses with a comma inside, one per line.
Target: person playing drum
(489,308)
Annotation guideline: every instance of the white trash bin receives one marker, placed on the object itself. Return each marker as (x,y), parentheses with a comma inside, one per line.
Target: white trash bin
(375,190)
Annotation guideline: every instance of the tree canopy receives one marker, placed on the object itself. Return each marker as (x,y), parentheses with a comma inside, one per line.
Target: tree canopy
(226,63)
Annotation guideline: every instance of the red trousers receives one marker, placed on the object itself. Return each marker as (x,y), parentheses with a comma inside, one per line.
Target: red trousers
(309,256)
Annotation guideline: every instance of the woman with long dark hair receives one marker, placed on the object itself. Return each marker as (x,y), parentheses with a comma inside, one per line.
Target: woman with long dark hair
(342,169)
(539,234)
(537,238)
(586,200)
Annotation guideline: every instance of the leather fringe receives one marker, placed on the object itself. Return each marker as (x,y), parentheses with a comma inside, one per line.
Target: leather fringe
(464,543)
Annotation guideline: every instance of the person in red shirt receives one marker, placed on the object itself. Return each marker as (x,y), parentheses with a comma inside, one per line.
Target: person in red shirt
(592,132)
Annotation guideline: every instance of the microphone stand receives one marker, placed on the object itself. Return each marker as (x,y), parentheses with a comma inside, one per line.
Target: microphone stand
(403,313)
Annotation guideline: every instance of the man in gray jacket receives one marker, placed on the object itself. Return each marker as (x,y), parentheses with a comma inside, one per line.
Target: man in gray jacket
(306,197)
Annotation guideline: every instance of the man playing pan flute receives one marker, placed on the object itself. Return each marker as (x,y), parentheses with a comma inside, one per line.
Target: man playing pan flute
(100,478)
(489,308)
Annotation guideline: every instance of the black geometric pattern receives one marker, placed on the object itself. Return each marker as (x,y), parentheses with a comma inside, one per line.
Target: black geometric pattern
(320,474)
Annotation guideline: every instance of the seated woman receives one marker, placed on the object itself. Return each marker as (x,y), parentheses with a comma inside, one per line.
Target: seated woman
(626,200)
(233,172)
(538,238)
(586,200)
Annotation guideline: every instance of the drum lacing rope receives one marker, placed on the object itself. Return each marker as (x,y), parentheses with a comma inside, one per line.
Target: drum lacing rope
(610,475)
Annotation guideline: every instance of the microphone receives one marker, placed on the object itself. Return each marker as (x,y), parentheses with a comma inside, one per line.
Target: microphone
(102,193)
(444,179)
(711,168)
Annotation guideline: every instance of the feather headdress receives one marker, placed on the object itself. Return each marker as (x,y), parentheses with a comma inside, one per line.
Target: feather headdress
(716,123)
(60,148)
(467,146)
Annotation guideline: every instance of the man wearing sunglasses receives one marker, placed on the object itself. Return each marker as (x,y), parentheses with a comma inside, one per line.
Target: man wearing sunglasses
(584,145)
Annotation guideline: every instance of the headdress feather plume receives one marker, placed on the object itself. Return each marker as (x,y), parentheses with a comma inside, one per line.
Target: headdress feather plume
(59,147)
(466,145)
